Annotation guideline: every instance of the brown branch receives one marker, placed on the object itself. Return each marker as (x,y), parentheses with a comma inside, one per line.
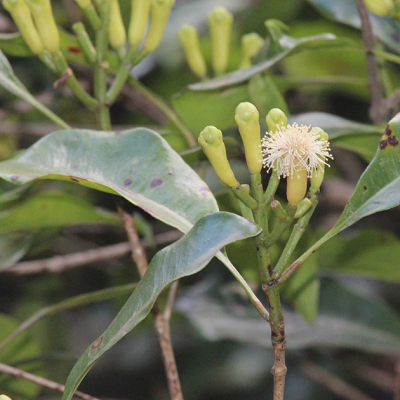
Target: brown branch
(376,112)
(332,382)
(59,264)
(161,323)
(7,369)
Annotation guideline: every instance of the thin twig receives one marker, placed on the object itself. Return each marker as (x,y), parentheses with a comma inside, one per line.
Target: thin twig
(59,264)
(161,323)
(376,112)
(332,382)
(171,300)
(7,369)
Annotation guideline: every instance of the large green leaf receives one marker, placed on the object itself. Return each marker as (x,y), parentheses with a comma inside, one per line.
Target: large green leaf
(52,209)
(345,11)
(137,164)
(185,257)
(289,47)
(11,83)
(346,319)
(371,253)
(199,109)
(377,190)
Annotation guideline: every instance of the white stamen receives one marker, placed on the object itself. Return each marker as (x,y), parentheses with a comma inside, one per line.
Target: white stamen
(294,148)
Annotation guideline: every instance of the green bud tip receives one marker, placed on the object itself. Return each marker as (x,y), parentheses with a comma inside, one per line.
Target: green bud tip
(220,14)
(163,3)
(187,34)
(276,117)
(246,112)
(210,135)
(321,133)
(251,43)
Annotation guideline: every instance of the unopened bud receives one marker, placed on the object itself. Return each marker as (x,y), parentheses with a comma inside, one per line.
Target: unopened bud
(210,140)
(44,20)
(191,46)
(247,119)
(276,118)
(22,17)
(220,23)
(296,187)
(251,45)
(319,173)
(116,29)
(160,11)
(302,208)
(140,10)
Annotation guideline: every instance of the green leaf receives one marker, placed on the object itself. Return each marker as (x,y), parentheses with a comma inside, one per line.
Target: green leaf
(13,246)
(200,109)
(185,257)
(363,145)
(14,45)
(77,301)
(345,11)
(51,209)
(289,45)
(371,253)
(346,319)
(10,82)
(378,188)
(335,126)
(136,164)
(265,95)
(23,349)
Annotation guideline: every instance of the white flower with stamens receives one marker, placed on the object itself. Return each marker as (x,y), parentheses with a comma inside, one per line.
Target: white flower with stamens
(294,148)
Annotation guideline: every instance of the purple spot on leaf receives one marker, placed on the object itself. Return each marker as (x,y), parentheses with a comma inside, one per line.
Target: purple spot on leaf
(155,182)
(204,190)
(14,178)
(170,173)
(128,181)
(395,37)
(117,133)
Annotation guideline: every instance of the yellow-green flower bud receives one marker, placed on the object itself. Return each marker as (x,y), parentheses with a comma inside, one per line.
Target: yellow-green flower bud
(296,186)
(191,46)
(4,397)
(276,118)
(251,45)
(46,26)
(220,23)
(210,140)
(140,10)
(160,10)
(247,119)
(116,29)
(22,17)
(319,173)
(379,7)
(302,208)
(84,3)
